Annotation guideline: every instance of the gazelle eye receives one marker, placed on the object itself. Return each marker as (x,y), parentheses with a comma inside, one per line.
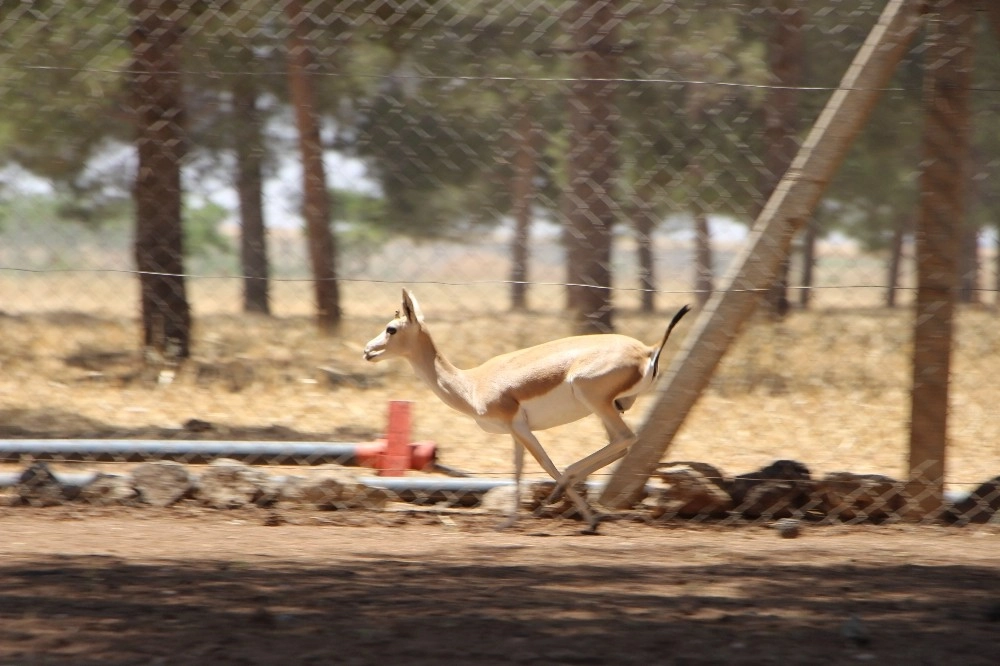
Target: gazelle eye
(391,330)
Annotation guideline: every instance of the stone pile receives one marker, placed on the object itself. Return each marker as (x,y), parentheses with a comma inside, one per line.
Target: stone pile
(782,491)
(224,484)
(785,489)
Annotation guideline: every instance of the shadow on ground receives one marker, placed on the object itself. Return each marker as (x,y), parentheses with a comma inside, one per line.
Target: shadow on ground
(369,610)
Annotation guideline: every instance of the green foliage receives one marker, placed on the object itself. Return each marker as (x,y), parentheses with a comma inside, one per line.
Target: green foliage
(984,195)
(687,139)
(21,211)
(877,184)
(202,230)
(360,220)
(358,209)
(94,211)
(61,85)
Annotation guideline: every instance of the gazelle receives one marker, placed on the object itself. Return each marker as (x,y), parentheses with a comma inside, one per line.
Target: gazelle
(540,387)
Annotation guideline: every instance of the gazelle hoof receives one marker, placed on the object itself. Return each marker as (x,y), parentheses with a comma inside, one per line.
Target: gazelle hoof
(553,497)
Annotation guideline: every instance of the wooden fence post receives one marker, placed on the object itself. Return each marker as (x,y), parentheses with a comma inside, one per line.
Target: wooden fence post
(939,229)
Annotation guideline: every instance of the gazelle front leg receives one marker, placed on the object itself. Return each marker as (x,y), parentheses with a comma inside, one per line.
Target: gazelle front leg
(518,469)
(524,437)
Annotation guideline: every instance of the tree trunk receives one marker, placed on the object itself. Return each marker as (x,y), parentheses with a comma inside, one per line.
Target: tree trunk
(948,63)
(594,160)
(703,269)
(996,275)
(704,281)
(523,195)
(644,223)
(159,239)
(895,258)
(785,60)
(808,262)
(249,147)
(316,198)
(968,286)
(573,263)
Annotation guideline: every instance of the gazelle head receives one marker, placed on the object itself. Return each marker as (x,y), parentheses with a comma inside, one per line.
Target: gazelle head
(396,340)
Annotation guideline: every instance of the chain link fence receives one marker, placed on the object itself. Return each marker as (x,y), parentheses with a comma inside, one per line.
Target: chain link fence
(207,209)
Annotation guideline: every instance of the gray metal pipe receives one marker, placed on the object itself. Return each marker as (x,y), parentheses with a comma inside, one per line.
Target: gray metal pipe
(419,490)
(185,451)
(464,484)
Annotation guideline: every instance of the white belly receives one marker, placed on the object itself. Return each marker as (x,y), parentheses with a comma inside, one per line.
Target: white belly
(555,408)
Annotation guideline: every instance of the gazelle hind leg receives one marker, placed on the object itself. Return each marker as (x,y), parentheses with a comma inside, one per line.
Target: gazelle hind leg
(523,435)
(584,467)
(620,438)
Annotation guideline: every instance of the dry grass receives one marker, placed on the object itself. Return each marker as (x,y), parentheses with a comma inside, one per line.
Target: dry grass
(828,387)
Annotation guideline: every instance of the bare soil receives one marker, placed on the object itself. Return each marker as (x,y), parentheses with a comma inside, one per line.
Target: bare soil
(193,586)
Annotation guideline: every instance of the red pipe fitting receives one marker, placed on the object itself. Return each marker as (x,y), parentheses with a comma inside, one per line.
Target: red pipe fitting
(395,454)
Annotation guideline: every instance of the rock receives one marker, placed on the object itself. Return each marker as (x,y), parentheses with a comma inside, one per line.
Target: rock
(779,470)
(855,631)
(162,483)
(860,497)
(335,489)
(776,499)
(710,472)
(692,490)
(274,519)
(980,506)
(197,425)
(8,497)
(38,486)
(501,500)
(109,489)
(779,490)
(230,484)
(788,528)
(538,493)
(289,489)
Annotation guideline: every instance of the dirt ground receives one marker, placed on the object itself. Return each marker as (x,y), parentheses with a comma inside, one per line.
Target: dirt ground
(192,586)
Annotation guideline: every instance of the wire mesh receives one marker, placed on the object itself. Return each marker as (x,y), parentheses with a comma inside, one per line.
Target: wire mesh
(530,170)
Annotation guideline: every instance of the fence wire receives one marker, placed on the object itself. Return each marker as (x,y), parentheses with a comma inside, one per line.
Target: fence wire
(188,189)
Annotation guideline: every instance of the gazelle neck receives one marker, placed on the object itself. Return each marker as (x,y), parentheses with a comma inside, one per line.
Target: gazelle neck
(448,382)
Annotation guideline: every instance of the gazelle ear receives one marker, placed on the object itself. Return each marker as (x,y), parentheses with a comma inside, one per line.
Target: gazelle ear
(411,308)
